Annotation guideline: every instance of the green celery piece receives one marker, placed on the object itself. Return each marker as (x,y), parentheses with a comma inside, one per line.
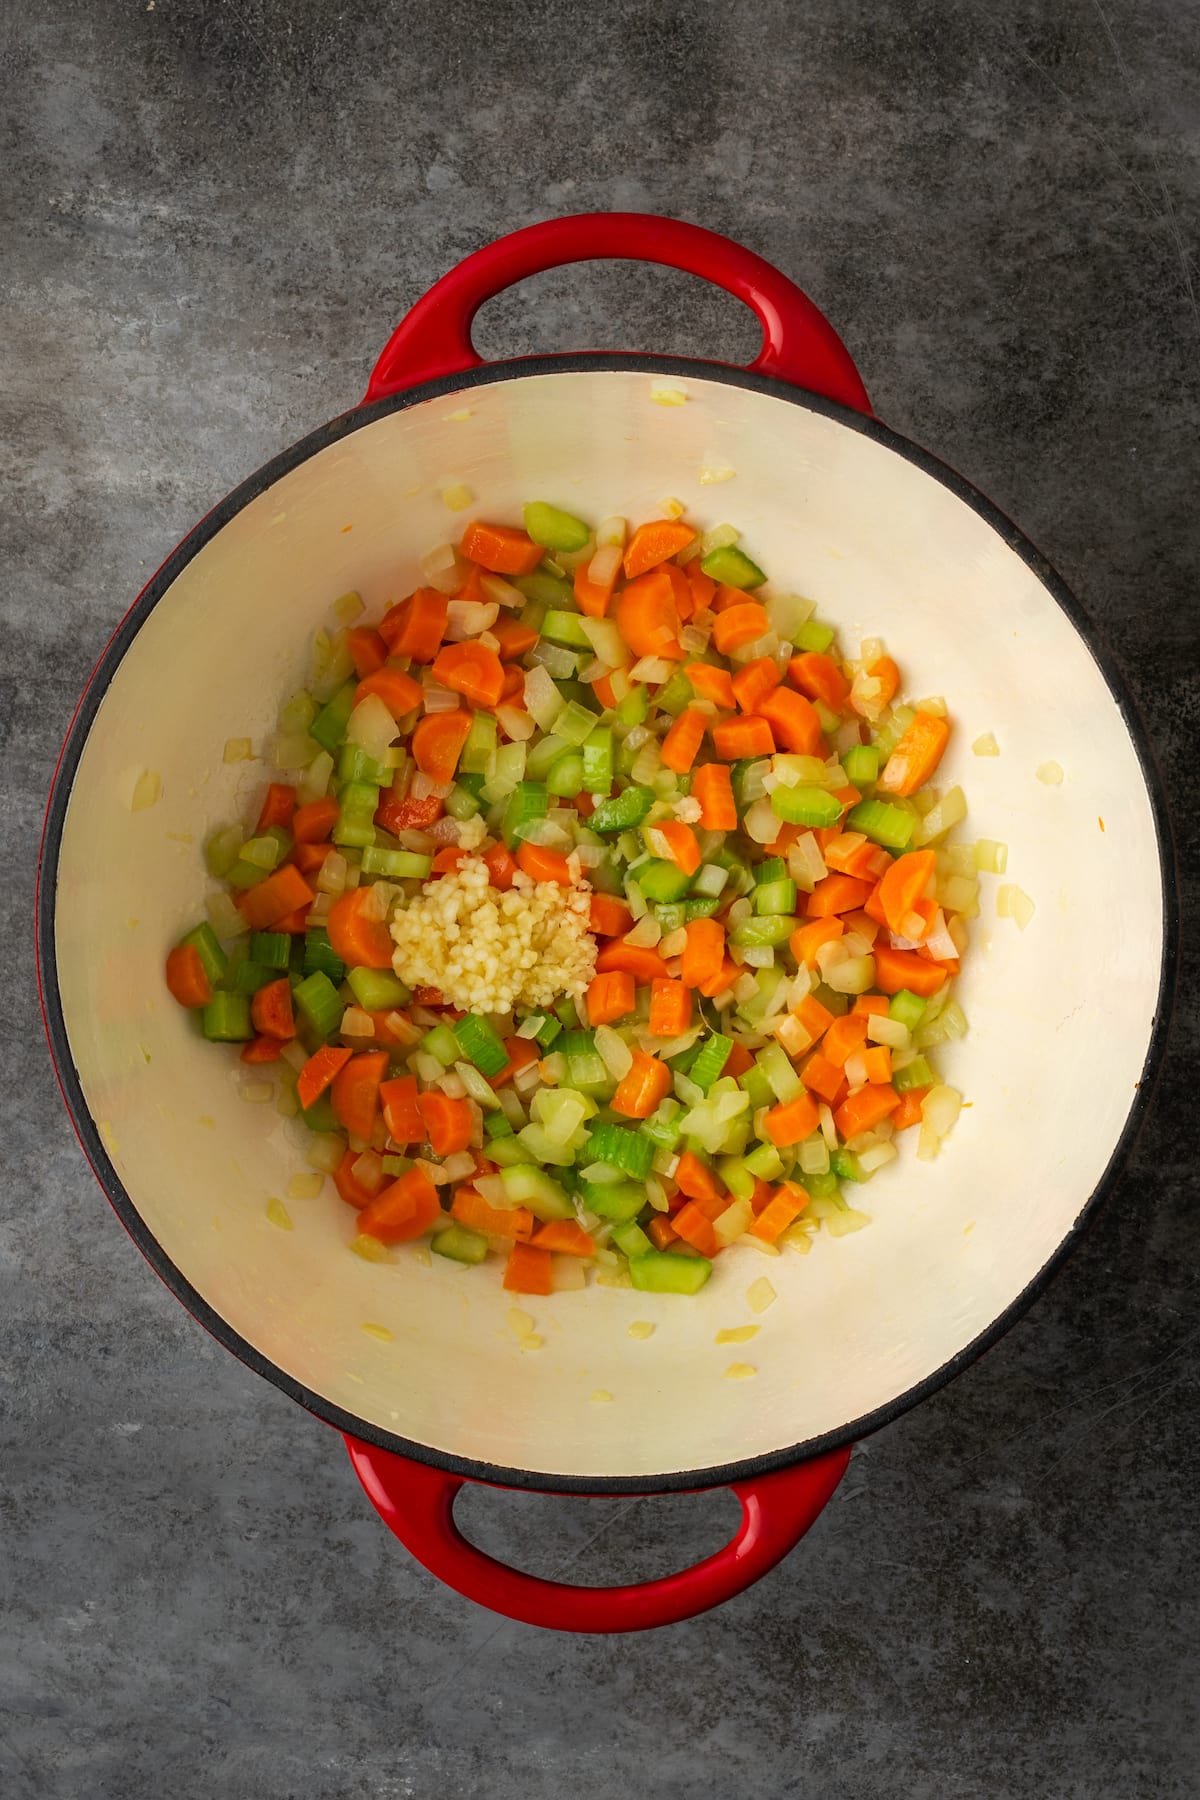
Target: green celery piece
(319,953)
(845,1165)
(497,1125)
(480,1044)
(565,628)
(663,1127)
(222,849)
(710,880)
(526,803)
(658,1272)
(891,826)
(396,865)
(226,1019)
(812,635)
(674,694)
(544,589)
(916,1074)
(736,1176)
(460,802)
(203,940)
(460,1244)
(755,1083)
(819,1187)
(908,1008)
(320,1003)
(770,897)
(682,1063)
(575,1042)
(764,1162)
(271,948)
(329,726)
(711,1060)
(532,1187)
(377,990)
(598,760)
(775,1064)
(480,746)
(616,1200)
(772,868)
(632,1240)
(698,907)
(247,977)
(548,1031)
(508,1152)
(811,806)
(543,754)
(621,1148)
(320,1116)
(732,567)
(354,764)
(623,811)
(245,875)
(554,529)
(672,915)
(861,763)
(471,781)
(567,1014)
(761,930)
(575,724)
(564,778)
(441,1043)
(661,880)
(633,708)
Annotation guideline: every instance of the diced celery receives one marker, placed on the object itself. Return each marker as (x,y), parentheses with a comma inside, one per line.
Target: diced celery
(442,1044)
(480,1044)
(554,529)
(460,1244)
(861,763)
(658,1272)
(663,1127)
(529,1186)
(631,1240)
(812,635)
(775,897)
(732,567)
(575,724)
(698,907)
(711,1059)
(616,1200)
(548,1030)
(565,628)
(354,764)
(891,826)
(810,806)
(221,850)
(662,880)
(320,1116)
(623,811)
(845,1165)
(544,589)
(377,990)
(565,779)
(598,760)
(710,879)
(674,694)
(526,803)
(203,940)
(908,1008)
(226,1019)
(631,1151)
(397,865)
(460,802)
(320,954)
(916,1074)
(497,1125)
(784,1082)
(567,1014)
(510,1152)
(320,1003)
(633,708)
(672,915)
(770,929)
(271,948)
(247,977)
(736,1176)
(329,726)
(764,1162)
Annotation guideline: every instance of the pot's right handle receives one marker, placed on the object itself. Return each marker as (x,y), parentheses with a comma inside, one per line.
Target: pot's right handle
(800,346)
(417,1503)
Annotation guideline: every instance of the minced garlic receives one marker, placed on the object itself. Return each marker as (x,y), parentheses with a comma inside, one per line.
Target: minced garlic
(488,951)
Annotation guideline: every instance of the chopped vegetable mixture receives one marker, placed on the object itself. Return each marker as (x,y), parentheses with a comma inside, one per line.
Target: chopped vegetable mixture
(602,917)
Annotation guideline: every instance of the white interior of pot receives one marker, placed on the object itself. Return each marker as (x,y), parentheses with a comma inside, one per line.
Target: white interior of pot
(1060,1015)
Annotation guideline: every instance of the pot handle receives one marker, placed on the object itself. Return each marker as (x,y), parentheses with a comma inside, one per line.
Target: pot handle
(799,344)
(416,1502)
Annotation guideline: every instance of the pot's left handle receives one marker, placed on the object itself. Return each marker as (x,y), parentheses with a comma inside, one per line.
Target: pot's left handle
(417,1503)
(799,344)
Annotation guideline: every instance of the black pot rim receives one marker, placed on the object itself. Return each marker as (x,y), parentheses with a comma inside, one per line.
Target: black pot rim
(719,1475)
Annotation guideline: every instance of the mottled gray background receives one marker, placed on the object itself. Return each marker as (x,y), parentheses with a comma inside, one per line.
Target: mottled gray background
(212,215)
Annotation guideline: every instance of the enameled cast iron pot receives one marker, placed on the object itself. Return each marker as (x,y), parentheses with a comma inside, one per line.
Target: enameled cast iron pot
(1066,1018)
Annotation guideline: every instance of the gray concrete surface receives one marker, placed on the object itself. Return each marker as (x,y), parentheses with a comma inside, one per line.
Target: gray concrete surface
(212,214)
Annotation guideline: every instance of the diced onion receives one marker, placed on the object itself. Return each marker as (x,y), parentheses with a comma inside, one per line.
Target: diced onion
(1050,774)
(986,745)
(654,669)
(1013,902)
(892,1032)
(614,1052)
(443,568)
(762,824)
(467,618)
(501,591)
(457,497)
(940,1108)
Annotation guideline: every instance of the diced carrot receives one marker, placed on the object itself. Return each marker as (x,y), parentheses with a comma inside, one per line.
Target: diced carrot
(869,1004)
(368,651)
(712,1207)
(640,1091)
(731,973)
(703,586)
(793,1121)
(393,1027)
(863,1110)
(564,1236)
(806,940)
(446,860)
(606,694)
(877,1061)
(712,684)
(753,682)
(610,997)
(862,922)
(416,626)
(312,823)
(647,614)
(818,676)
(544,864)
(734,739)
(654,543)
(271,1011)
(474,671)
(262,1050)
(398,691)
(403,1211)
(408,814)
(293,922)
(884,671)
(501,867)
(896,969)
(643,964)
(608,916)
(695,1179)
(500,548)
(187,977)
(308,858)
(703,955)
(521,1052)
(815,1018)
(348,1184)
(909,1110)
(593,597)
(852,853)
(836,894)
(725,597)
(514,639)
(823,1077)
(844,1037)
(872,907)
(471,1209)
(437,743)
(357,935)
(278,808)
(266,904)
(691,1224)
(786,1204)
(712,789)
(902,887)
(916,756)
(683,740)
(739,625)
(793,721)
(528,1271)
(447,1122)
(319,1072)
(355,1091)
(401,1114)
(670,1008)
(683,849)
